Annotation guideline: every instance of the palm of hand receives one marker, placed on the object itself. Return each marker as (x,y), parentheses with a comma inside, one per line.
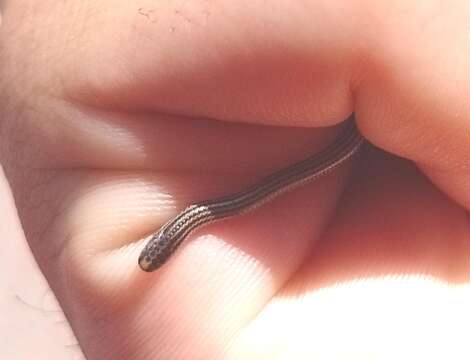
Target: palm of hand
(99,155)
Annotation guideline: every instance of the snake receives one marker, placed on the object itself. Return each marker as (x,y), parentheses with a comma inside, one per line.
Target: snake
(162,244)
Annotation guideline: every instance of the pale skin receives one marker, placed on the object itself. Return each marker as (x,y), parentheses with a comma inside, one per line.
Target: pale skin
(117,114)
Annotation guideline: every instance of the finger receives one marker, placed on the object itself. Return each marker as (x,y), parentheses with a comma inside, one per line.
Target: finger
(238,264)
(413,100)
(402,67)
(396,254)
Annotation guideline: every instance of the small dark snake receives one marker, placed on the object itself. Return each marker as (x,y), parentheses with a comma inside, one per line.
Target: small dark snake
(162,244)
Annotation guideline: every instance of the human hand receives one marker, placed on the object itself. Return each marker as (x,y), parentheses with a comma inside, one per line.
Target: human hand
(115,115)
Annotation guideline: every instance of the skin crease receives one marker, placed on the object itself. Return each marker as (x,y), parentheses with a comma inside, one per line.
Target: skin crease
(117,114)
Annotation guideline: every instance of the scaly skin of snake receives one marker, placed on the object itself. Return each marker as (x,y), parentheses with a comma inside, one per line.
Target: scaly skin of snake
(163,244)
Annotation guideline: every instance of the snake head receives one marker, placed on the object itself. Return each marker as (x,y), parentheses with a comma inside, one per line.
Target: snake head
(155,253)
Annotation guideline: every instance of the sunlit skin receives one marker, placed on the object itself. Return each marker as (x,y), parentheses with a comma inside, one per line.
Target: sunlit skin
(115,115)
